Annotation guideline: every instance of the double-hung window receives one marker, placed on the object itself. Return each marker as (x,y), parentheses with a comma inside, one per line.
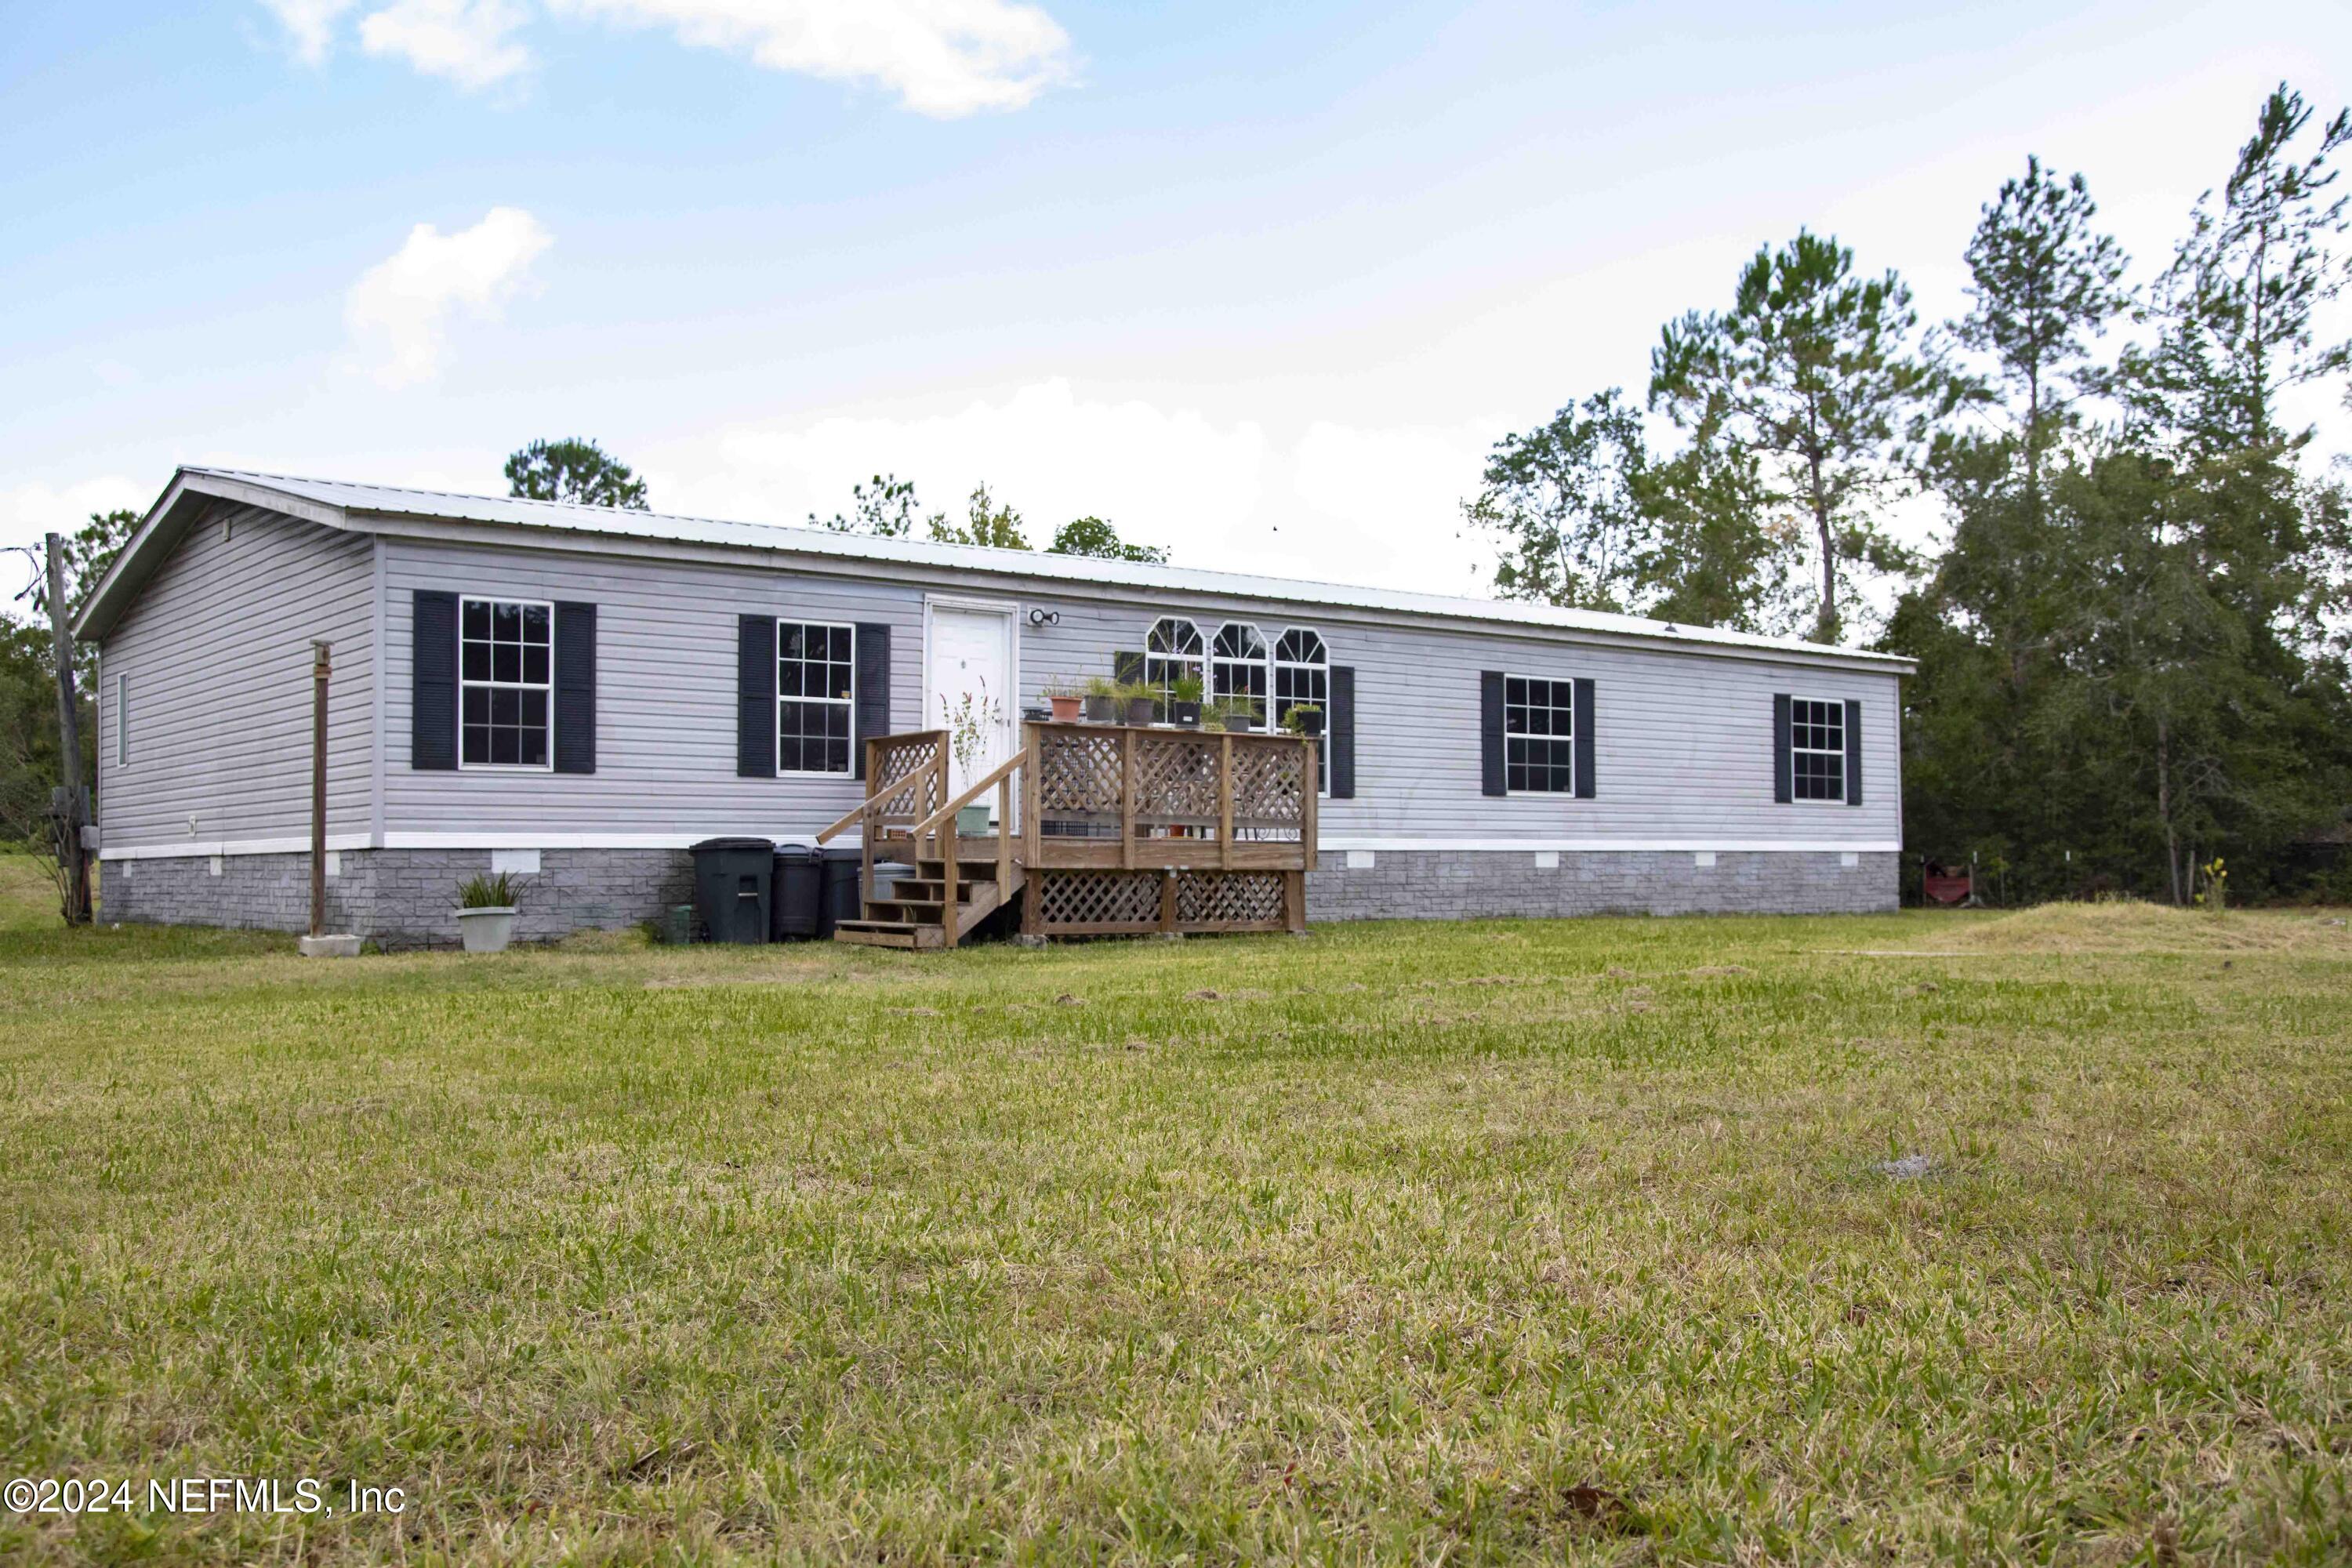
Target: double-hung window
(816,696)
(1539,735)
(506,677)
(1817,750)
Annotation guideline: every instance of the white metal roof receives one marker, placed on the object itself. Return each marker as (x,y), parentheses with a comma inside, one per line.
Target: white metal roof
(360,505)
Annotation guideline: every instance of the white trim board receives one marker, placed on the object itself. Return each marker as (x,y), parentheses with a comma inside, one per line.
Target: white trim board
(526,838)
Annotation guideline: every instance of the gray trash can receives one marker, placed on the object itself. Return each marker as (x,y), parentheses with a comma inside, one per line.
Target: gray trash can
(733,879)
(840,899)
(798,891)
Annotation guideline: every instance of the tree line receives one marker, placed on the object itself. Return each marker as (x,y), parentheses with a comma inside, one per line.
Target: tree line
(2131,626)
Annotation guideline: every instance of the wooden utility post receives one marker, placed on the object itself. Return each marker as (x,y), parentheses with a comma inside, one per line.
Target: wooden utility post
(72,859)
(321,668)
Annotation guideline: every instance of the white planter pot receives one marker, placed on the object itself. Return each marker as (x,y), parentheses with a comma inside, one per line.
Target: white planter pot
(489,929)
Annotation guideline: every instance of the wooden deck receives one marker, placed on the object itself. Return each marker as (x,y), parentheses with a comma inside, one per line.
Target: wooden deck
(1098,830)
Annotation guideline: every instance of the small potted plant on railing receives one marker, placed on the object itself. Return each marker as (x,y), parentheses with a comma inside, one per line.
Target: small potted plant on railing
(1065,700)
(1185,702)
(1305,718)
(1236,714)
(486,913)
(1102,700)
(1140,700)
(971,721)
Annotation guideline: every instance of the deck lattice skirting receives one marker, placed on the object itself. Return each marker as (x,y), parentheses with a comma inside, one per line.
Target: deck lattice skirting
(1101,830)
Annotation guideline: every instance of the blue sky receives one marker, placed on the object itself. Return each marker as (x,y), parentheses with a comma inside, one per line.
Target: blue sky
(1261,283)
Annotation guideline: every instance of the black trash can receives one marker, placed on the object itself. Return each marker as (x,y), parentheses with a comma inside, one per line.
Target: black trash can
(733,879)
(841,898)
(798,892)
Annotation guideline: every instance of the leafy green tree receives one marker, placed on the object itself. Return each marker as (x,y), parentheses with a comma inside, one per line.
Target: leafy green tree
(1564,503)
(987,523)
(1584,515)
(1811,374)
(1094,537)
(90,551)
(884,507)
(1718,557)
(2044,284)
(573,470)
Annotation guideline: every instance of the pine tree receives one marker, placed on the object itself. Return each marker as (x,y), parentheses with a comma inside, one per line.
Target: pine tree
(2044,285)
(1811,374)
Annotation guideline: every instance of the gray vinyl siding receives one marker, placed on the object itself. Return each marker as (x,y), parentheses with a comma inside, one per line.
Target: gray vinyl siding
(665,646)
(217,653)
(217,647)
(1683,742)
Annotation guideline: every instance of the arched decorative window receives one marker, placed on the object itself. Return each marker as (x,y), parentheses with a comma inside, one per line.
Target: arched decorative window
(1172,650)
(1239,670)
(1302,673)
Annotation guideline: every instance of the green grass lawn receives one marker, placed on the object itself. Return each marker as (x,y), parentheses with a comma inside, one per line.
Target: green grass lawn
(1489,1242)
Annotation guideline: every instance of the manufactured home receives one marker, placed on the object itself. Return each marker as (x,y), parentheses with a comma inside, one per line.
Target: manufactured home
(576,694)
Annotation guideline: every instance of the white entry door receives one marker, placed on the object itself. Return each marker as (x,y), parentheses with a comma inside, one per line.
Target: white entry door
(969,655)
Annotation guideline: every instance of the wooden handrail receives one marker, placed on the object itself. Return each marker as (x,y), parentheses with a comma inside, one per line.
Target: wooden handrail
(875,786)
(946,814)
(856,812)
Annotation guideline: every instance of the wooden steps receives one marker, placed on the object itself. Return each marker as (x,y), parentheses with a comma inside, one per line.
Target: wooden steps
(913,912)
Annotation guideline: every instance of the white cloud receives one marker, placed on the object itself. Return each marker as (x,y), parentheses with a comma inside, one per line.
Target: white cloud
(468,41)
(30,511)
(1159,475)
(398,312)
(309,25)
(943,57)
(1341,503)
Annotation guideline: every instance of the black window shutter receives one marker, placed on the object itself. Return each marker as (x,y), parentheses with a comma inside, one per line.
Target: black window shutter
(575,688)
(873,720)
(755,697)
(1339,732)
(1127,665)
(1490,732)
(1583,722)
(1783,790)
(433,682)
(1853,751)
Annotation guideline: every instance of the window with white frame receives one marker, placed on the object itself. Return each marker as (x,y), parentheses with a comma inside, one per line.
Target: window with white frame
(1539,735)
(1170,652)
(1240,673)
(1817,750)
(816,696)
(1302,673)
(506,676)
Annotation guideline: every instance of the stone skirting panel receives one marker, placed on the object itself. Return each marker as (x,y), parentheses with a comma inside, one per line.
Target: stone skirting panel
(406,898)
(399,897)
(1458,884)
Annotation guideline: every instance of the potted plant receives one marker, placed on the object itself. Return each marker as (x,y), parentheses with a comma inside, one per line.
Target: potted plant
(1185,702)
(972,720)
(1305,718)
(1140,700)
(1236,713)
(486,913)
(1065,700)
(1102,700)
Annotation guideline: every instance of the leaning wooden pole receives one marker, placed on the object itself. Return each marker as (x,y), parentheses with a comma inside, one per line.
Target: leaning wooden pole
(73,859)
(322,667)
